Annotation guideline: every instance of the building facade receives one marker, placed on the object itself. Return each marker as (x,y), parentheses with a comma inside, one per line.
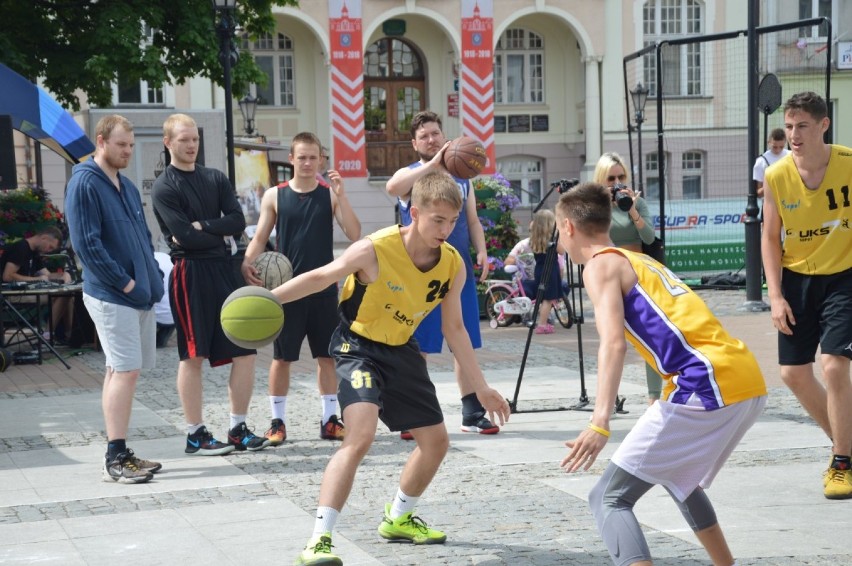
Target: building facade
(541,82)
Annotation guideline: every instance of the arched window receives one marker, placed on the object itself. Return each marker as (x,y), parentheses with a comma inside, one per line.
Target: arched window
(392,58)
(682,64)
(525,175)
(519,68)
(692,164)
(274,55)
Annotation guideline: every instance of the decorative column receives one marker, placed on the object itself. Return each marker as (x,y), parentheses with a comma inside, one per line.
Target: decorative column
(347,88)
(593,112)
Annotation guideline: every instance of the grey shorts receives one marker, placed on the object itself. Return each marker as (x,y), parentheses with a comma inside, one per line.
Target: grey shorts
(127,336)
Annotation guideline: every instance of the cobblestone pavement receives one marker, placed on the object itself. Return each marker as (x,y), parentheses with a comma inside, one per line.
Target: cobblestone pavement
(494,514)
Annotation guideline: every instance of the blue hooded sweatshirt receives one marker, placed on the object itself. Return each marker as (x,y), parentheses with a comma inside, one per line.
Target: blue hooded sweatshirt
(111,238)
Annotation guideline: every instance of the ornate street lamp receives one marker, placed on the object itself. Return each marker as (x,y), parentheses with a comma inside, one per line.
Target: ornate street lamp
(248,107)
(640,96)
(226,10)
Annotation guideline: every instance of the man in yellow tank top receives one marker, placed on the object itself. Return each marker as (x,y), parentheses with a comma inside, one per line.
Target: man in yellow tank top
(807,257)
(395,277)
(713,389)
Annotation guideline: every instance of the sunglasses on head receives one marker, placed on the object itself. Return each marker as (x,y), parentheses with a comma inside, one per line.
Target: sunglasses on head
(613,178)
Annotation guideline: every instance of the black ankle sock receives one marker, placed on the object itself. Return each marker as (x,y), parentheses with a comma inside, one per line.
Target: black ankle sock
(841,462)
(471,407)
(116,447)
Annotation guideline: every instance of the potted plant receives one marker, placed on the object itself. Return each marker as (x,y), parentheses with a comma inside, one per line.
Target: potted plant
(24,211)
(495,201)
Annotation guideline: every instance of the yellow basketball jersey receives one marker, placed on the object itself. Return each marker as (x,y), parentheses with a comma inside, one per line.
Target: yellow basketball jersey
(675,332)
(390,308)
(817,230)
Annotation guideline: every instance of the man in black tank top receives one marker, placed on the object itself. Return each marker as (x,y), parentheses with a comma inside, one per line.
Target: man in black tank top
(302,211)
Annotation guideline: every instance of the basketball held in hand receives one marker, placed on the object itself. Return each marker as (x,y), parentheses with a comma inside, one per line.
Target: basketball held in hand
(273,269)
(465,158)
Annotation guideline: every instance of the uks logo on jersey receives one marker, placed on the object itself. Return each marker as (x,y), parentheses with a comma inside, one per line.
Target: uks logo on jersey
(402,319)
(394,287)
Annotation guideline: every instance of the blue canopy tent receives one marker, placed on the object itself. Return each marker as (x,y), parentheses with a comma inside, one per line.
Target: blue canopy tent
(36,114)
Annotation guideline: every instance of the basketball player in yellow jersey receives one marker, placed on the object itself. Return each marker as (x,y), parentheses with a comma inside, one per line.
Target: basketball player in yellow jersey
(809,275)
(713,389)
(396,276)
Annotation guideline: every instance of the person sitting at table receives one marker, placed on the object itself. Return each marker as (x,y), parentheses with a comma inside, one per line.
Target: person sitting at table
(22,262)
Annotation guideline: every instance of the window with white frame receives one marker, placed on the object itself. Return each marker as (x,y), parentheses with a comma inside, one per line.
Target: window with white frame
(652,175)
(273,54)
(525,176)
(519,68)
(126,91)
(692,164)
(681,64)
(816,9)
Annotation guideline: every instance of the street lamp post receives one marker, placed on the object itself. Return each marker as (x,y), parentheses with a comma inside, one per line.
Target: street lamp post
(640,96)
(226,11)
(248,107)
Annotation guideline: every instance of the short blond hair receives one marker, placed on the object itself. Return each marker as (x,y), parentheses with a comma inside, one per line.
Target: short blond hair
(108,124)
(175,120)
(436,187)
(606,162)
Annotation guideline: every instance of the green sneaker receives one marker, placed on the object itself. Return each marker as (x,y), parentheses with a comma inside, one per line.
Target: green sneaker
(318,552)
(409,527)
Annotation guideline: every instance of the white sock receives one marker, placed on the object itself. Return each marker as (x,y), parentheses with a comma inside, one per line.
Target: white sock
(236,420)
(193,428)
(402,504)
(279,406)
(329,407)
(325,520)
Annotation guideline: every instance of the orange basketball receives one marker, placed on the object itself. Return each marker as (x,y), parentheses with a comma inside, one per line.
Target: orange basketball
(465,158)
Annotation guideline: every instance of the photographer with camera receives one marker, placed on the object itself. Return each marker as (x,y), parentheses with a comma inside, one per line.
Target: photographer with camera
(631,227)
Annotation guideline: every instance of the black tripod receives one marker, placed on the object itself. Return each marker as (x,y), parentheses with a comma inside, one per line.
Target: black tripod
(576,303)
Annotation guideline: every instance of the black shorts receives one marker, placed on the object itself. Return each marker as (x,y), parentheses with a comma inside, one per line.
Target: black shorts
(314,317)
(197,290)
(393,377)
(822,307)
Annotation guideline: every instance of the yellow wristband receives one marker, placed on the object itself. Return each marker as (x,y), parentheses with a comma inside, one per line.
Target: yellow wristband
(599,430)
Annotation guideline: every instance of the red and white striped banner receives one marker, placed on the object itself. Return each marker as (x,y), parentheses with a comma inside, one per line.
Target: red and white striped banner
(347,87)
(476,81)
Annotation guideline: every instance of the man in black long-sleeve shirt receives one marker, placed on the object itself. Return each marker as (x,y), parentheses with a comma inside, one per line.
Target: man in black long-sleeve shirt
(198,213)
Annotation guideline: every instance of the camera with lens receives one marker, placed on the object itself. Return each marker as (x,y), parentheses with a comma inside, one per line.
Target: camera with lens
(563,185)
(621,199)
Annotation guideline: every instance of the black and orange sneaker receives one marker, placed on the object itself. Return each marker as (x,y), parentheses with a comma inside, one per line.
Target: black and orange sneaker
(277,433)
(333,429)
(242,438)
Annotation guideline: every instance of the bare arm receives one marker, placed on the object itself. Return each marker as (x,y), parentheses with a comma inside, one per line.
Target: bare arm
(605,276)
(477,234)
(458,339)
(343,213)
(770,250)
(265,224)
(403,180)
(359,258)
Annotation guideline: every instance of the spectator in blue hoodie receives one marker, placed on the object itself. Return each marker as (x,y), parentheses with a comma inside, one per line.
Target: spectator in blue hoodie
(121,283)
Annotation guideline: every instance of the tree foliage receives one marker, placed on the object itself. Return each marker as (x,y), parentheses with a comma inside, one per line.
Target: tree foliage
(78,45)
